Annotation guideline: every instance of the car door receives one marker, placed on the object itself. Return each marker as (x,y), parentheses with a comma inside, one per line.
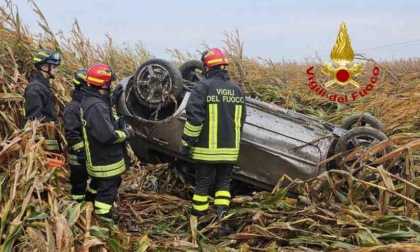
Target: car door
(273,145)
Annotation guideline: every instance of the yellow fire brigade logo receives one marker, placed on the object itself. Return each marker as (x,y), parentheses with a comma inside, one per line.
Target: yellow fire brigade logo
(341,72)
(342,55)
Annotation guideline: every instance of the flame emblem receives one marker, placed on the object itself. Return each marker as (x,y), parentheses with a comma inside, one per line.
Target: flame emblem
(342,55)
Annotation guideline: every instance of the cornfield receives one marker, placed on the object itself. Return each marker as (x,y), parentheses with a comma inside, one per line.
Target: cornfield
(37,213)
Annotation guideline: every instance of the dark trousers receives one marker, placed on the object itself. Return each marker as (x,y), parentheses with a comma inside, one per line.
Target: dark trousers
(205,174)
(79,184)
(78,180)
(106,194)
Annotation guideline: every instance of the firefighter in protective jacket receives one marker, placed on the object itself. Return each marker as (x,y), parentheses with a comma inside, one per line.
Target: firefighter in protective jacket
(76,155)
(38,98)
(215,117)
(103,141)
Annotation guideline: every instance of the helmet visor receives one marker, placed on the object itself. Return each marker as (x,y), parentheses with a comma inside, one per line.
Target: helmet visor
(54,59)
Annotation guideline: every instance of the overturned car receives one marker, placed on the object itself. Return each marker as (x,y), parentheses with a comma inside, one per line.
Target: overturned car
(275,140)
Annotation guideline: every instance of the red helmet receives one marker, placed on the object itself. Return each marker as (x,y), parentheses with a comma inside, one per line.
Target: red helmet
(99,75)
(214,57)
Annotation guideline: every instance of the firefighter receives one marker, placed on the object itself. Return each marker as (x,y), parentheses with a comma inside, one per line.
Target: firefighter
(103,142)
(38,98)
(212,133)
(76,155)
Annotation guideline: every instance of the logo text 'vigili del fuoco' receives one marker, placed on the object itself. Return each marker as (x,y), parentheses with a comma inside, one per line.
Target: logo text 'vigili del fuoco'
(342,71)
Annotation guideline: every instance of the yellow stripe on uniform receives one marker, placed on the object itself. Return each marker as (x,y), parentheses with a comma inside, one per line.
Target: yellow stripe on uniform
(106,171)
(184,143)
(88,157)
(221,202)
(192,127)
(44,54)
(102,205)
(238,116)
(200,198)
(222,198)
(231,158)
(121,136)
(201,207)
(81,75)
(91,190)
(102,208)
(78,146)
(101,211)
(191,130)
(77,197)
(222,194)
(76,81)
(227,151)
(200,202)
(213,125)
(72,159)
(216,125)
(190,133)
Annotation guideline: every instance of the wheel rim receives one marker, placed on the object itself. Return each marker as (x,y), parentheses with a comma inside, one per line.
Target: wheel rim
(364,143)
(153,84)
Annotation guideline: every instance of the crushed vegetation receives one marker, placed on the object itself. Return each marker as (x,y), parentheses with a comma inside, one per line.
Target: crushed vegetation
(339,209)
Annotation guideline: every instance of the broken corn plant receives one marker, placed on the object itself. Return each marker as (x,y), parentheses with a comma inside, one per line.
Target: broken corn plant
(364,207)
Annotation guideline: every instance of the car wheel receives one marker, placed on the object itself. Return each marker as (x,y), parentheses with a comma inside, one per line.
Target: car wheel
(155,81)
(364,137)
(362,120)
(192,71)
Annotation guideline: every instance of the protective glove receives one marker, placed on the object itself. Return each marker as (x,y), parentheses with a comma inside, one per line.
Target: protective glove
(116,93)
(129,132)
(185,150)
(122,124)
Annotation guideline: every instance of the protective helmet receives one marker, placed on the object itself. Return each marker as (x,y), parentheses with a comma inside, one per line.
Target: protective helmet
(99,75)
(79,79)
(47,57)
(214,57)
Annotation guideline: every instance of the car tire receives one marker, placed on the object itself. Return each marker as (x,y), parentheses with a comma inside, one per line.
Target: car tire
(155,81)
(363,120)
(365,135)
(191,69)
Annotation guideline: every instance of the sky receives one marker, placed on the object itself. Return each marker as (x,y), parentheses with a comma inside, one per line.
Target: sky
(277,30)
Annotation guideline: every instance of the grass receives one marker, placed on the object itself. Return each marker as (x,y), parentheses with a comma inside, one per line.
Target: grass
(337,210)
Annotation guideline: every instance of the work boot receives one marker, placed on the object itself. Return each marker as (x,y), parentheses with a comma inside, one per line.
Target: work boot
(221,212)
(198,213)
(111,218)
(90,197)
(80,200)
